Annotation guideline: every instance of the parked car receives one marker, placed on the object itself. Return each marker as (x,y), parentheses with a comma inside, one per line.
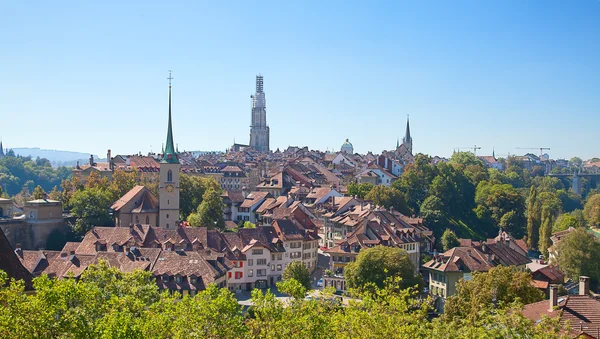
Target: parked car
(320,283)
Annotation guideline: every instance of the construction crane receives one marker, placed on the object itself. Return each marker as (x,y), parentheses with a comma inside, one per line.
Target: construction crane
(474,148)
(540,148)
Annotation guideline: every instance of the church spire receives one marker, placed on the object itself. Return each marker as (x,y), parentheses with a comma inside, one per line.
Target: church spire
(407,140)
(397,142)
(169,155)
(407,135)
(1,149)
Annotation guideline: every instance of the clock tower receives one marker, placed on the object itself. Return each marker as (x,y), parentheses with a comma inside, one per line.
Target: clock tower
(168,185)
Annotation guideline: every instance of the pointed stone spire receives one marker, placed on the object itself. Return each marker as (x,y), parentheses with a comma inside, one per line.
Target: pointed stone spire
(1,149)
(397,142)
(407,140)
(493,153)
(169,154)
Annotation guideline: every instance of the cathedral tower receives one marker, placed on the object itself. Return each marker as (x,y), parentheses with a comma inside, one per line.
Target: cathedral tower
(259,130)
(168,186)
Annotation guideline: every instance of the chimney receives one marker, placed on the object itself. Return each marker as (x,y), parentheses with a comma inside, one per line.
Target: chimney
(584,285)
(484,248)
(109,160)
(553,297)
(77,164)
(91,160)
(469,252)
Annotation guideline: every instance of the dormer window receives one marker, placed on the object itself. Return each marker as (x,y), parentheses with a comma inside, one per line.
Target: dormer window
(193,280)
(165,278)
(178,279)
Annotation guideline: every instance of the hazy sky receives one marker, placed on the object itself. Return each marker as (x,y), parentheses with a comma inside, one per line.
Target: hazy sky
(91,75)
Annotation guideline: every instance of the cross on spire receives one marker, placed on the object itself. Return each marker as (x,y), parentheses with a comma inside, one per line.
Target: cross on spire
(170,77)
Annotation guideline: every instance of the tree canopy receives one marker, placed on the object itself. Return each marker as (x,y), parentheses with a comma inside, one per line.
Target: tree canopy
(297,270)
(373,266)
(499,287)
(106,303)
(578,253)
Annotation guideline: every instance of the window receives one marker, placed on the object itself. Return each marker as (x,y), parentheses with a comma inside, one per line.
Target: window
(137,219)
(295,255)
(169,176)
(165,278)
(250,273)
(261,261)
(261,273)
(193,280)
(279,267)
(257,251)
(250,262)
(279,256)
(229,275)
(178,279)
(241,264)
(239,275)
(272,267)
(272,257)
(147,220)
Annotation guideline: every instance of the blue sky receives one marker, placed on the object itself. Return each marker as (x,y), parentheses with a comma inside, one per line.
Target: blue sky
(87,76)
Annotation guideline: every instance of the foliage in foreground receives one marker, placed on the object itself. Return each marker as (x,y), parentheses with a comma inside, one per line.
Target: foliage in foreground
(106,303)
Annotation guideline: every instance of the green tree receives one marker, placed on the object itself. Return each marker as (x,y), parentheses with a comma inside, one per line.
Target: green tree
(591,210)
(55,194)
(90,207)
(503,284)
(578,253)
(576,161)
(39,193)
(297,271)
(504,205)
(565,221)
(373,266)
(433,214)
(122,182)
(533,217)
(359,190)
(210,211)
(415,181)
(192,190)
(449,240)
(472,167)
(293,288)
(248,224)
(389,197)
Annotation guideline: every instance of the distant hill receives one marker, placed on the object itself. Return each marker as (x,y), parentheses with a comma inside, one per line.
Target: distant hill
(56,157)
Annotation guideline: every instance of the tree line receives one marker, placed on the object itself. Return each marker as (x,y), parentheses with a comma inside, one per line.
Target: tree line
(107,303)
(464,196)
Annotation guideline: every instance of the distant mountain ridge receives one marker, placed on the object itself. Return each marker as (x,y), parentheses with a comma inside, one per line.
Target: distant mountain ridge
(56,157)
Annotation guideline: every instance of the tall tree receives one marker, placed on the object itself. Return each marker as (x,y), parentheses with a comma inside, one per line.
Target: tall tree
(373,266)
(533,216)
(500,285)
(449,240)
(415,181)
(591,210)
(297,270)
(578,253)
(389,197)
(210,211)
(39,193)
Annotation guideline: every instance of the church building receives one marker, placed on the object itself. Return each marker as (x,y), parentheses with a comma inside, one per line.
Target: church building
(140,206)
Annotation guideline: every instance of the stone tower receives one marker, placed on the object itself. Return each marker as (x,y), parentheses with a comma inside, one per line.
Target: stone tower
(407,140)
(259,130)
(168,186)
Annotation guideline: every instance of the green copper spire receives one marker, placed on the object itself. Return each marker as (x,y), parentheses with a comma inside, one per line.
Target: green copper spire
(169,155)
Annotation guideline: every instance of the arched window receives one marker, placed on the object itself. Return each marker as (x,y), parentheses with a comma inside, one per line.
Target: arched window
(147,220)
(169,176)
